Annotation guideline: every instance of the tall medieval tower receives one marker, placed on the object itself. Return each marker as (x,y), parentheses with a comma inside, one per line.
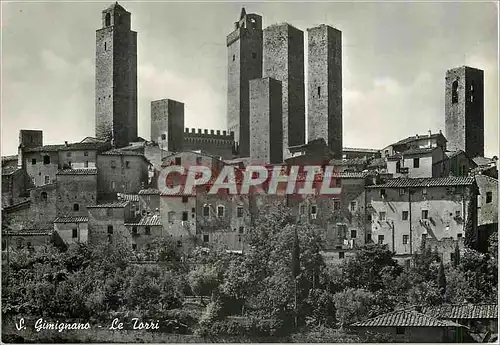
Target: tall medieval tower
(244,52)
(464,110)
(325,86)
(116,78)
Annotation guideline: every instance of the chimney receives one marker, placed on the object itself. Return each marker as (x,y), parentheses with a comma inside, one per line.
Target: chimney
(430,132)
(440,132)
(416,136)
(66,144)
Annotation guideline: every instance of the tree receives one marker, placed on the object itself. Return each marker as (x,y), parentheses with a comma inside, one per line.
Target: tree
(470,235)
(441,281)
(456,256)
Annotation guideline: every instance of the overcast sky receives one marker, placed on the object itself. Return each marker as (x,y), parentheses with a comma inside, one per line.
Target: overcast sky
(395,56)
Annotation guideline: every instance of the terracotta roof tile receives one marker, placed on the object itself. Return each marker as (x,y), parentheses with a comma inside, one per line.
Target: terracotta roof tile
(425,182)
(127,197)
(71,219)
(90,171)
(462,311)
(420,137)
(149,191)
(9,170)
(404,318)
(29,232)
(356,149)
(418,151)
(116,152)
(115,204)
(152,220)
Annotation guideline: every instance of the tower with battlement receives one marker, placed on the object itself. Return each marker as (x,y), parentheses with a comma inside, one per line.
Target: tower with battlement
(464,110)
(325,87)
(167,124)
(284,61)
(244,56)
(116,78)
(214,142)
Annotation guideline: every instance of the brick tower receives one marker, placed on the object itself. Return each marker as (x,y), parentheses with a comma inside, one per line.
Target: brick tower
(116,78)
(244,49)
(464,110)
(325,87)
(284,61)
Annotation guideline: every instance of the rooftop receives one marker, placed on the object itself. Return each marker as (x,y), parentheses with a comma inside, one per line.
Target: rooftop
(405,318)
(71,219)
(90,171)
(425,182)
(127,197)
(9,170)
(419,137)
(115,204)
(151,220)
(68,147)
(28,232)
(149,191)
(462,311)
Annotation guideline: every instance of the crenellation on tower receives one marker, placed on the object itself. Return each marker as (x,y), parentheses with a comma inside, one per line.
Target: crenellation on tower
(244,49)
(284,61)
(464,110)
(325,86)
(116,78)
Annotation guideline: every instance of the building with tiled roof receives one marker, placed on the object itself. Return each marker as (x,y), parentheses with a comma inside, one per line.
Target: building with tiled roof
(27,237)
(71,219)
(127,197)
(408,325)
(115,204)
(89,171)
(462,311)
(149,191)
(425,182)
(71,229)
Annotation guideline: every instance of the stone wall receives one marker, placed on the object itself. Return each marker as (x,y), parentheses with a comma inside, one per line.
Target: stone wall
(76,189)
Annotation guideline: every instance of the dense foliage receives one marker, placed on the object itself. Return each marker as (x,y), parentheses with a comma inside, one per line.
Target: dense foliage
(280,285)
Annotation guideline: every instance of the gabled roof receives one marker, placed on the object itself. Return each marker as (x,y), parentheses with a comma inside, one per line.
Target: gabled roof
(425,182)
(45,148)
(71,219)
(462,311)
(404,318)
(90,171)
(418,151)
(419,137)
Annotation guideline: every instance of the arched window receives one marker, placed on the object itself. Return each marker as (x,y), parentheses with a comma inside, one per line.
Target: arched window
(454,92)
(107,19)
(398,166)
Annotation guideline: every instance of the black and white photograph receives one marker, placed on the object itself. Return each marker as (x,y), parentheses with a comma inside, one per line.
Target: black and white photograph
(249,172)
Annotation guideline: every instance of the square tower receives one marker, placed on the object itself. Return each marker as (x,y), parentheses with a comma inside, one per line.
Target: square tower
(464,110)
(167,124)
(324,74)
(284,61)
(116,78)
(266,121)
(244,56)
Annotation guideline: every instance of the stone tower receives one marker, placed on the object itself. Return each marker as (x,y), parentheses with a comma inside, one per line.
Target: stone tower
(266,121)
(464,110)
(284,61)
(325,87)
(116,78)
(167,124)
(244,49)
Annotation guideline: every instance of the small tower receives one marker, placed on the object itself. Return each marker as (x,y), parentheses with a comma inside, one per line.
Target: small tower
(244,49)
(116,78)
(464,110)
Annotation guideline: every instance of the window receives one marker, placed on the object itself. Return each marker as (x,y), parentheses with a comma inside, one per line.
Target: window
(220,211)
(76,207)
(86,164)
(239,212)
(353,234)
(314,209)
(127,164)
(400,330)
(113,164)
(47,179)
(74,233)
(68,154)
(405,215)
(457,214)
(134,246)
(134,230)
(110,229)
(163,137)
(405,239)
(241,230)
(184,199)
(107,19)
(178,161)
(319,91)
(341,255)
(459,235)
(206,238)
(382,216)
(86,153)
(254,56)
(43,196)
(198,160)
(368,217)
(113,185)
(368,238)
(425,214)
(46,159)
(147,230)
(179,244)
(402,191)
(69,164)
(184,216)
(424,191)
(234,57)
(416,162)
(33,161)
(336,204)
(382,193)
(206,211)
(489,197)
(454,92)
(109,212)
(353,205)
(380,239)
